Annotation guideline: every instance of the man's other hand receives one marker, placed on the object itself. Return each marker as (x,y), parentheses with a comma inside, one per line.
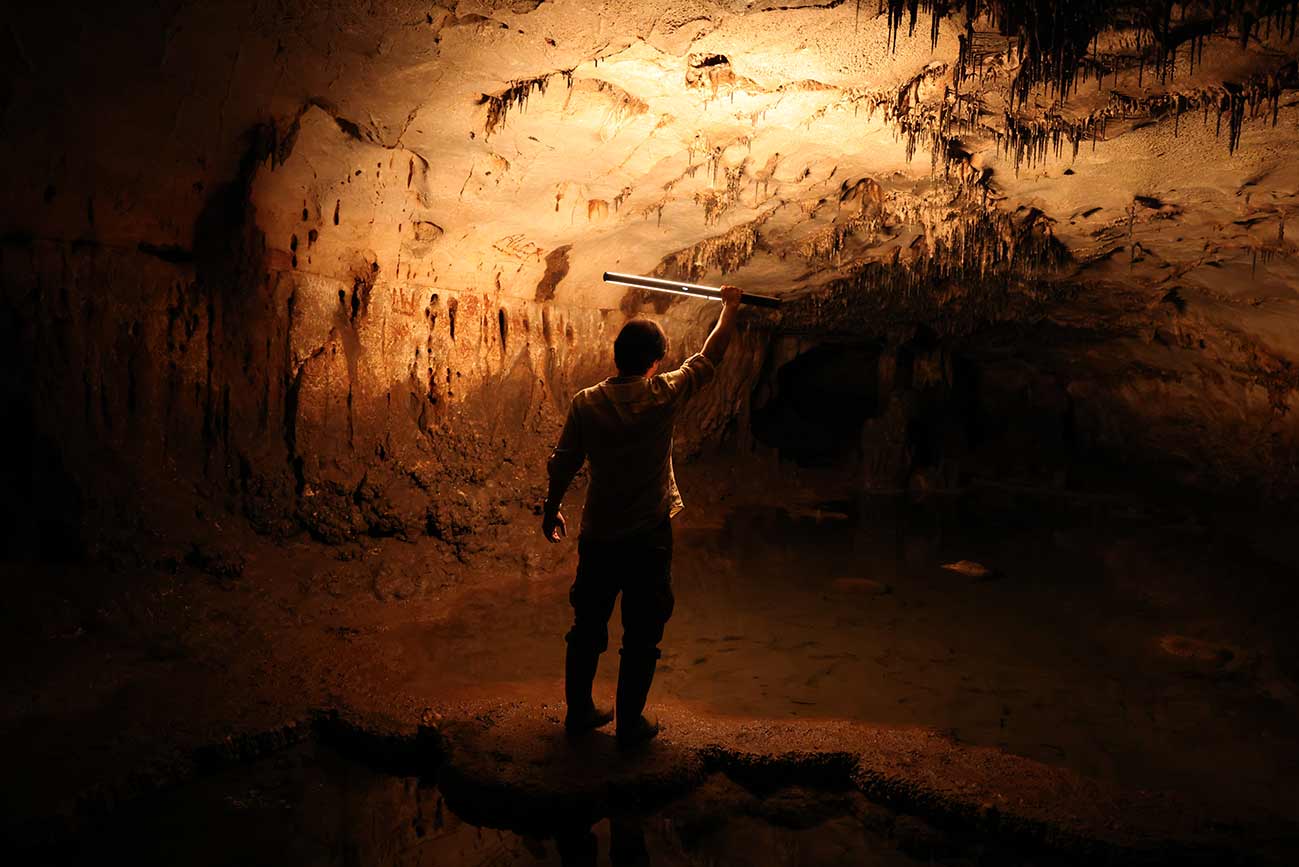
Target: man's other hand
(730,295)
(553,527)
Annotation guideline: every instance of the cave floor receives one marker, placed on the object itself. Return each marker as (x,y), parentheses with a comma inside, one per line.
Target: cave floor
(1137,648)
(336,804)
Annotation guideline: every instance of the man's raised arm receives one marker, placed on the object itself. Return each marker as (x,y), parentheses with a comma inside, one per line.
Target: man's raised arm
(720,337)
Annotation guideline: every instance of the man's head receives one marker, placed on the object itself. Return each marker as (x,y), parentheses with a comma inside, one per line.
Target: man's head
(639,346)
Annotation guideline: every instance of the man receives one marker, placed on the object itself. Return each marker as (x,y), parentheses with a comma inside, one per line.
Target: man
(623,426)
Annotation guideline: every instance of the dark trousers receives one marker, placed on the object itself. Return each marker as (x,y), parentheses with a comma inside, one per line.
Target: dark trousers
(640,568)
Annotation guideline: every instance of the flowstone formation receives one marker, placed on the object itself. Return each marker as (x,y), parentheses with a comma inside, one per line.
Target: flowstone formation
(333,263)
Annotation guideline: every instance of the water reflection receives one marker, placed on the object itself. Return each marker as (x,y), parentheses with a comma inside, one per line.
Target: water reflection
(311,806)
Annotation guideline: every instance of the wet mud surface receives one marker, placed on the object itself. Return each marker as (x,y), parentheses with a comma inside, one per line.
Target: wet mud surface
(1124,652)
(1110,680)
(315,805)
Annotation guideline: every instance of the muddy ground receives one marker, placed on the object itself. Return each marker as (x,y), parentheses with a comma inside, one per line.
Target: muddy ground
(1117,675)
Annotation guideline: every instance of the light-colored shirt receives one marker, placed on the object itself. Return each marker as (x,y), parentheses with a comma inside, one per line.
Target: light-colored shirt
(623,427)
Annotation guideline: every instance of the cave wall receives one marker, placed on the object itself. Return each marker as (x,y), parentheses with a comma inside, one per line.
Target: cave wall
(239,237)
(216,289)
(312,389)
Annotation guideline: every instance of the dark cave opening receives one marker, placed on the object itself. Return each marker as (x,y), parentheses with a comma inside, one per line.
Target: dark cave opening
(928,415)
(838,403)
(819,401)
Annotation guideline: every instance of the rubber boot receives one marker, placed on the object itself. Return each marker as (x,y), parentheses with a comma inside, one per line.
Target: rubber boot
(635,675)
(579,675)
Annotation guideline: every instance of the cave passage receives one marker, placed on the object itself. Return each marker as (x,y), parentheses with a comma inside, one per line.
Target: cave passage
(822,399)
(987,550)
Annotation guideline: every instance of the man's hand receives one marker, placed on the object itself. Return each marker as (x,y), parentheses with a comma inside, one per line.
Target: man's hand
(553,527)
(720,337)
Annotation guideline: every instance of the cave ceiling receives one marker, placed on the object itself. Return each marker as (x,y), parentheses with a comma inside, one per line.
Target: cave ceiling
(528,146)
(790,145)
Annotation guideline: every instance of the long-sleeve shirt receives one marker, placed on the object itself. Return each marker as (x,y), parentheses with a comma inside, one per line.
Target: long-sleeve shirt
(623,427)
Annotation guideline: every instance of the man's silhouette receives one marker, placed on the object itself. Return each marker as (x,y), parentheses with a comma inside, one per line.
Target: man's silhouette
(623,427)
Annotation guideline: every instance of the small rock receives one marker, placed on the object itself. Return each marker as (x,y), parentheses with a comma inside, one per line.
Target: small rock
(972,570)
(1201,652)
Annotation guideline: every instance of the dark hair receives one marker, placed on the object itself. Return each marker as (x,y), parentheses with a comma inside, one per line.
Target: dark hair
(640,343)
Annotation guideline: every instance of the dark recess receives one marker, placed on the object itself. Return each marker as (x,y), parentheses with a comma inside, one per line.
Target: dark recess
(822,399)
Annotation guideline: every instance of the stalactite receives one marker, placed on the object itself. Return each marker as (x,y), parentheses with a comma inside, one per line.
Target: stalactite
(712,205)
(1028,140)
(516,96)
(726,252)
(1055,40)
(986,266)
(823,247)
(971,262)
